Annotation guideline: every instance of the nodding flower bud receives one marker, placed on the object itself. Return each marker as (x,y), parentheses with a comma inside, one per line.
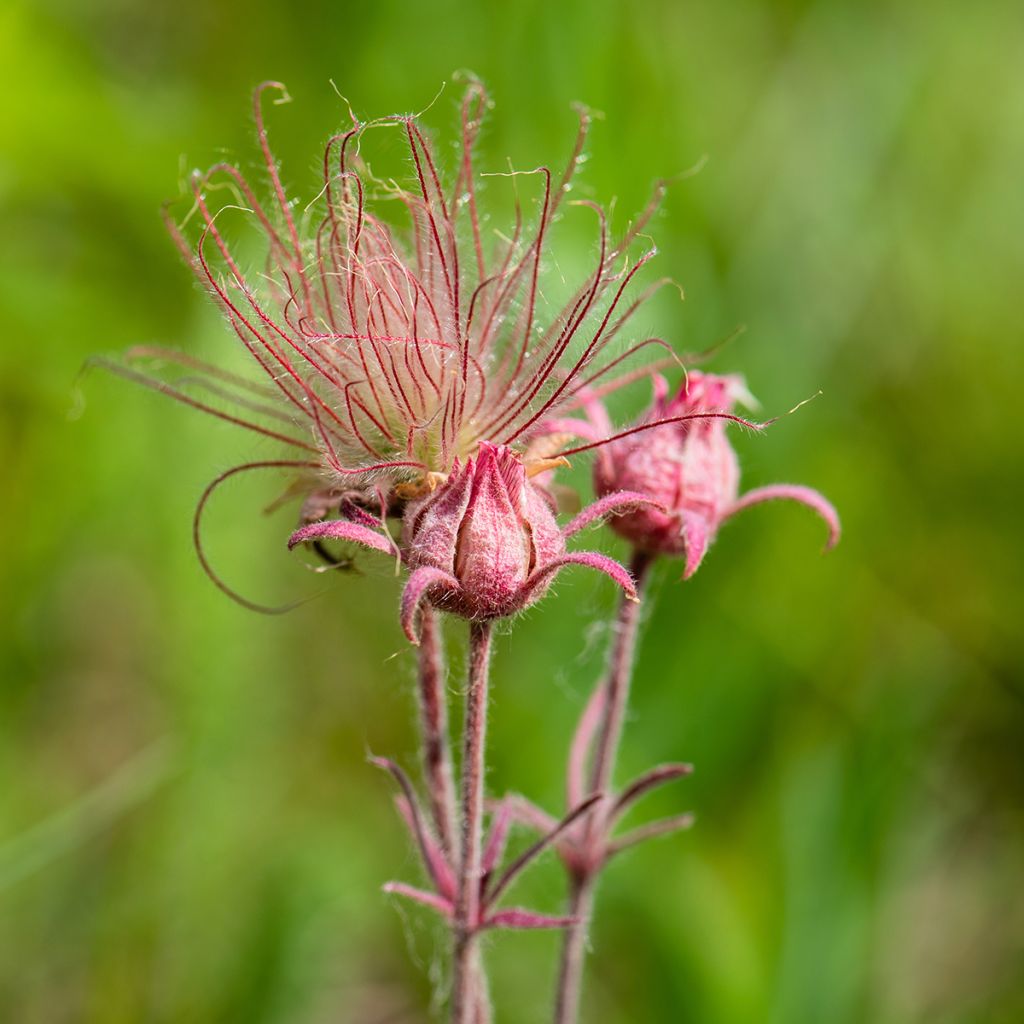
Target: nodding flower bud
(483,542)
(690,469)
(488,529)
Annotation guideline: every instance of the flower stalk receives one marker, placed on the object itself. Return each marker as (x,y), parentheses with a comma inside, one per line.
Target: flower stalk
(468,993)
(619,677)
(610,700)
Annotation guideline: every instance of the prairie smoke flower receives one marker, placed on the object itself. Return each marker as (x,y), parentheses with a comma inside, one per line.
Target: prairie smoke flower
(398,354)
(687,467)
(390,357)
(485,543)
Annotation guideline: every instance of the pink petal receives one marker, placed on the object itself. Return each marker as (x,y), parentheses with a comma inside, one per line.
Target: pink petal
(427,899)
(795,492)
(518,917)
(421,581)
(610,505)
(590,559)
(696,537)
(498,484)
(339,529)
(597,414)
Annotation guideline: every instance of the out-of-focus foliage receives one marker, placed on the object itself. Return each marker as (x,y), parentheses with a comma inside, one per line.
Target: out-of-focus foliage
(188,829)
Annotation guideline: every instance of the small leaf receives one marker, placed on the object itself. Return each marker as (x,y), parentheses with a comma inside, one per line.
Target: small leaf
(518,917)
(645,783)
(654,830)
(421,896)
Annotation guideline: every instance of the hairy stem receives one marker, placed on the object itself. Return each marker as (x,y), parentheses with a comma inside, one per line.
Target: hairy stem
(615,695)
(620,672)
(570,968)
(437,764)
(468,989)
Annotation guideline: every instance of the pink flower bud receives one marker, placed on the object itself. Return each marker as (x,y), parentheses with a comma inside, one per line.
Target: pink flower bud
(690,469)
(484,543)
(488,529)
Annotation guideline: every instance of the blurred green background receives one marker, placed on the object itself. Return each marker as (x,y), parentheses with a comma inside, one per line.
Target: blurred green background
(188,829)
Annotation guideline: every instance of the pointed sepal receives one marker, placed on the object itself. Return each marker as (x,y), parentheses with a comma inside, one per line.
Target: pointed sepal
(341,529)
(421,584)
(794,492)
(589,559)
(610,505)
